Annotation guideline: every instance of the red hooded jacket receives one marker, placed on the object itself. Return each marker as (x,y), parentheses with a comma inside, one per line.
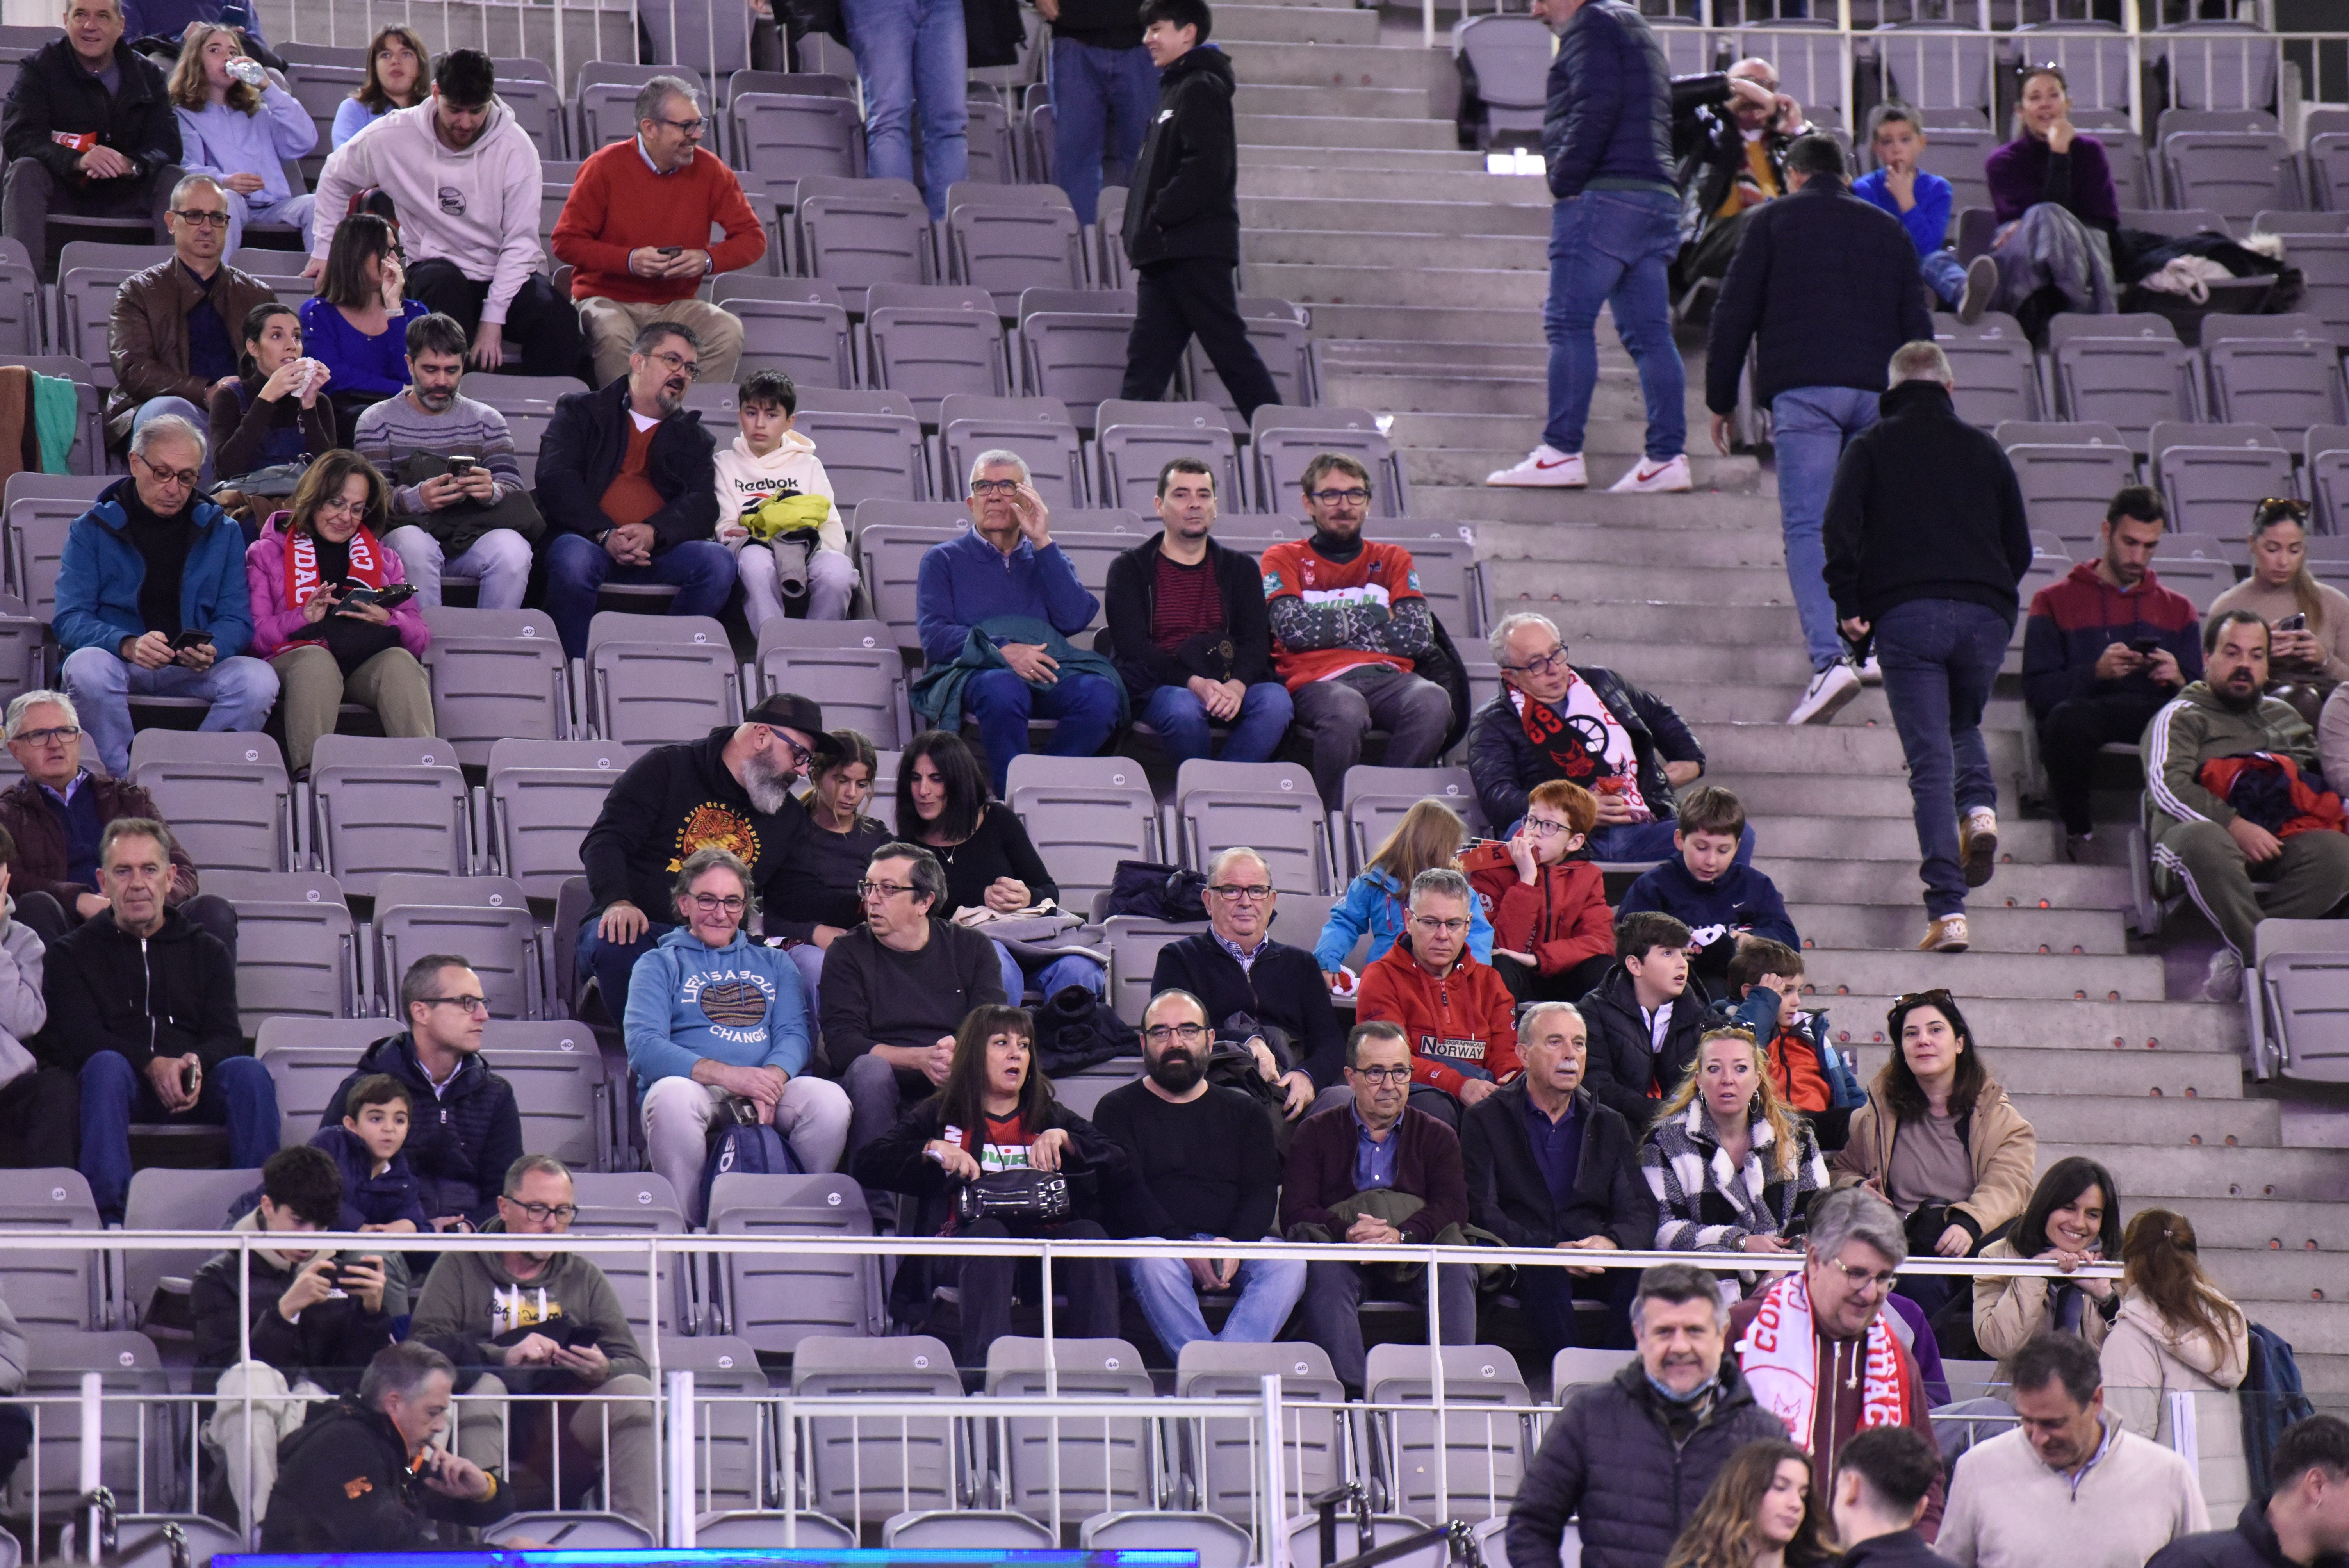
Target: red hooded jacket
(1562,920)
(1465,1014)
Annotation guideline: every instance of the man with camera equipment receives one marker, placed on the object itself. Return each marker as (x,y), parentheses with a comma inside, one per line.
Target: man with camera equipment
(1734,160)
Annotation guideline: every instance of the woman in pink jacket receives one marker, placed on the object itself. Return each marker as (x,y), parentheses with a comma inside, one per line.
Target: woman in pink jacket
(332,609)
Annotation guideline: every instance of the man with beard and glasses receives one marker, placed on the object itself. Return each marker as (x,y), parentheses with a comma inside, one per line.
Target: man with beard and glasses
(1205,1167)
(731,790)
(2230,827)
(459,502)
(630,476)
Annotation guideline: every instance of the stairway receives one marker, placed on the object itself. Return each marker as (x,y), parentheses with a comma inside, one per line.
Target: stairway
(1425,276)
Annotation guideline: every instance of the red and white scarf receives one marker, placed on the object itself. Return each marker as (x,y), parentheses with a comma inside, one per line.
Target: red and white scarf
(1780,1358)
(1584,743)
(303,578)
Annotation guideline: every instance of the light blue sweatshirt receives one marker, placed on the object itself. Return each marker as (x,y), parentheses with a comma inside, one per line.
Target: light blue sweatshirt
(1375,902)
(219,141)
(740,1003)
(353,117)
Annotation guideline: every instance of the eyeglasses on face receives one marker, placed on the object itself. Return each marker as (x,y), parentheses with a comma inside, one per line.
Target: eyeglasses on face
(800,755)
(994,487)
(62,733)
(1382,1075)
(710,904)
(1241,893)
(1356,496)
(1542,828)
(1548,663)
(1189,1033)
(690,127)
(1428,922)
(201,220)
(561,1214)
(1866,1280)
(186,479)
(885,888)
(678,363)
(462,1004)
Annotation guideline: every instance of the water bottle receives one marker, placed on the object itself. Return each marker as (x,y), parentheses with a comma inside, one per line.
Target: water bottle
(247,70)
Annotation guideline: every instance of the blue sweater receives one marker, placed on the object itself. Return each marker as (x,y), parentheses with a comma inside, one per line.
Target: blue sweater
(360,362)
(218,140)
(99,578)
(1928,221)
(1740,899)
(353,117)
(967,580)
(371,1200)
(1374,901)
(740,1003)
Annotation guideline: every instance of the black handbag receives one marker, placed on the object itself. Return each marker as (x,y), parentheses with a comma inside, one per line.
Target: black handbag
(1032,1195)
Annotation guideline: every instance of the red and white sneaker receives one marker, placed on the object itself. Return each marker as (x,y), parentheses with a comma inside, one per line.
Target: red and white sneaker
(1545,469)
(1654,478)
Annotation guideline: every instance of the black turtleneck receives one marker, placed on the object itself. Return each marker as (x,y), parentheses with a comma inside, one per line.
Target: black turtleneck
(1331,547)
(162,543)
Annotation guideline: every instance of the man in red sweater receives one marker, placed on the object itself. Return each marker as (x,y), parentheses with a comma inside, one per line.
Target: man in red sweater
(636,233)
(1456,1014)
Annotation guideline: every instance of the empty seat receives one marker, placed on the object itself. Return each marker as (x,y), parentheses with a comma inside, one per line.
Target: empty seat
(796,325)
(993,158)
(1135,440)
(709,37)
(1997,378)
(1038,428)
(1937,67)
(537,108)
(224,793)
(1278,334)
(892,558)
(1228,1462)
(1810,66)
(867,1469)
(871,444)
(544,796)
(859,232)
(1285,439)
(775,1299)
(297,951)
(1270,806)
(1008,238)
(1484,1455)
(783,138)
(1133,944)
(2299,998)
(2327,452)
(20,301)
(2323,263)
(2232,173)
(380,805)
(41,510)
(163,1200)
(486,918)
(1375,799)
(560,1099)
(604,99)
(1076,355)
(136,1431)
(1509,63)
(495,674)
(2128,371)
(2068,474)
(2213,475)
(1957,157)
(2279,371)
(2201,573)
(45,1289)
(1071,1468)
(2219,65)
(2327,157)
(928,343)
(1084,814)
(851,667)
(85,305)
(730,1440)
(1452,583)
(526,401)
(657,678)
(966,1529)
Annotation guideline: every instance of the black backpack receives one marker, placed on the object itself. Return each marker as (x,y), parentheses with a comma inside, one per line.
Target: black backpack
(1167,894)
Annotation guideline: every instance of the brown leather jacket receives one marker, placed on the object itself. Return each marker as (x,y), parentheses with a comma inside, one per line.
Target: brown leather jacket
(1999,1143)
(40,865)
(149,336)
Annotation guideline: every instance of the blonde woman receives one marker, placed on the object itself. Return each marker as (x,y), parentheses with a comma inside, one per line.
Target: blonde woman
(1731,1168)
(2176,1333)
(2280,587)
(240,126)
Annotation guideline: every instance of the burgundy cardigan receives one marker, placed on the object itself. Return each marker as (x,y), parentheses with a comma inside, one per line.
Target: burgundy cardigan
(1321,1172)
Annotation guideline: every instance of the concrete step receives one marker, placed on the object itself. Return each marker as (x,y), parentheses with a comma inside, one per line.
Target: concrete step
(1667,668)
(1640,623)
(2132,1028)
(1845,795)
(2262,1225)
(1287,176)
(1443,361)
(1422,322)
(2149,1175)
(1380,134)
(2154,1122)
(1972,974)
(2277,1277)
(1301,246)
(2212,1075)
(1695,509)
(1508,389)
(1294,24)
(1893,926)
(1328,282)
(1331,161)
(1464,466)
(1262,215)
(1344,66)
(1669,552)
(2020,886)
(1894,838)
(1772,746)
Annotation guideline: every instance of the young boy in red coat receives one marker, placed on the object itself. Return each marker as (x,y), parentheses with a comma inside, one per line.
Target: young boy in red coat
(1553,935)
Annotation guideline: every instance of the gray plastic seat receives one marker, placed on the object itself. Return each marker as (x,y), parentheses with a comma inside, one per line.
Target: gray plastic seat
(1453,583)
(772,1528)
(2095,58)
(1280,341)
(1997,378)
(581,1529)
(1510,60)
(796,325)
(859,232)
(297,948)
(2214,475)
(2068,474)
(85,299)
(851,667)
(891,557)
(968,1529)
(2128,371)
(2323,263)
(657,678)
(2298,999)
(486,918)
(495,674)
(774,1300)
(2232,173)
(380,805)
(709,37)
(526,401)
(1271,807)
(928,343)
(2220,64)
(1936,66)
(868,1469)
(1038,428)
(1217,1542)
(1104,1464)
(49,1290)
(544,796)
(1375,799)
(1575,1368)
(2327,159)
(1229,1463)
(1133,942)
(2281,371)
(1484,1448)
(1004,247)
(162,1200)
(1084,814)
(871,442)
(785,137)
(2327,471)
(1077,355)
(136,1429)
(224,793)
(1810,66)
(321,89)
(1135,440)
(604,101)
(732,1441)
(636,1203)
(41,510)
(537,108)
(561,1100)
(20,301)
(1285,439)
(1957,155)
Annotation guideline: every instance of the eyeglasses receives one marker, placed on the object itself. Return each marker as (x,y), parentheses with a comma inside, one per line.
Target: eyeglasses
(1865,1279)
(677,363)
(1189,1033)
(867,889)
(690,127)
(1548,663)
(186,479)
(462,1004)
(563,1214)
(710,904)
(1355,497)
(201,220)
(996,487)
(63,732)
(1241,893)
(1430,923)
(800,755)
(1542,828)
(1382,1075)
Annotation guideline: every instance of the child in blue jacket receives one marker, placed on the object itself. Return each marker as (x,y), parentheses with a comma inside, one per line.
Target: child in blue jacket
(1704,888)
(379,1191)
(1430,835)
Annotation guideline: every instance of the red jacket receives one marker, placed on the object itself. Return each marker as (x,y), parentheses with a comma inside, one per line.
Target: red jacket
(1562,920)
(1465,1014)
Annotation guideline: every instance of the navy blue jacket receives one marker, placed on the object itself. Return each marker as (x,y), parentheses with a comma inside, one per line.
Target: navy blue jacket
(1741,898)
(369,1198)
(99,578)
(1609,119)
(460,1140)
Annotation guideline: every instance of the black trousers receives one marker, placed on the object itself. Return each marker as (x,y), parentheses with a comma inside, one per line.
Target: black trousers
(1568,985)
(542,330)
(40,1127)
(1175,301)
(1548,1295)
(2070,735)
(1090,1283)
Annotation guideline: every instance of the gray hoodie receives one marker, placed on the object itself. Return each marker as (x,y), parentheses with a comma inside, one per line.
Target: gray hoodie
(23,1009)
(469,1300)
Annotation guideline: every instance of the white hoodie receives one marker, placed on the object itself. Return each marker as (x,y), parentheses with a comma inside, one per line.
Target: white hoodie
(746,483)
(477,209)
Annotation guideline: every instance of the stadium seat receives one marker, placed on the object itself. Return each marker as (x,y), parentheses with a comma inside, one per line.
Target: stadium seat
(321,89)
(638,1203)
(2327,453)
(1375,799)
(1997,378)
(45,1289)
(891,557)
(544,796)
(993,158)
(224,793)
(657,678)
(604,103)
(1277,331)
(859,232)
(296,950)
(526,401)
(41,509)
(1284,440)
(964,1530)
(486,918)
(1574,1367)
(2095,58)
(1956,155)
(166,1199)
(783,138)
(2219,64)
(1038,428)
(730,1473)
(775,1299)
(1075,349)
(851,667)
(380,805)
(1483,1457)
(1452,583)
(495,674)
(1084,814)
(2281,371)
(1133,944)
(871,442)
(864,1471)
(2198,567)
(707,37)
(769,1528)
(537,108)
(1101,1466)
(1810,64)
(796,325)
(2128,371)
(1229,1458)
(2068,474)
(1135,440)
(1510,61)
(2298,1000)
(1943,70)
(1269,806)
(581,1530)
(23,655)
(2214,475)
(1007,238)
(136,1430)
(929,341)
(20,301)
(1216,1542)
(2232,173)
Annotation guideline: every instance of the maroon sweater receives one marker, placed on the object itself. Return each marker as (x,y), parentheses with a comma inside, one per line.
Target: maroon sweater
(40,865)
(1321,1172)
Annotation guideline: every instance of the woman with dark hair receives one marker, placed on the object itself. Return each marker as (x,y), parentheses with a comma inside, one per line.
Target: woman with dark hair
(2282,586)
(314,575)
(943,805)
(2073,1218)
(2176,1333)
(238,126)
(273,413)
(396,62)
(1759,1513)
(812,899)
(357,323)
(994,1116)
(2052,189)
(1939,1140)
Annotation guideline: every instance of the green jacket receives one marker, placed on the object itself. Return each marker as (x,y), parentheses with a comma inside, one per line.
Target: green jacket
(469,1304)
(937,694)
(2195,727)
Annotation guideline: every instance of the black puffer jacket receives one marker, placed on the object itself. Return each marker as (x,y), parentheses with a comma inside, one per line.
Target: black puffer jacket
(1610,1457)
(344,1485)
(584,447)
(1505,765)
(1186,201)
(2250,1544)
(460,1140)
(1623,1063)
(1608,121)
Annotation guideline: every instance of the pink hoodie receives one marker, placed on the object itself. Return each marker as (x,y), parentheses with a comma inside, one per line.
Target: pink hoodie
(278,627)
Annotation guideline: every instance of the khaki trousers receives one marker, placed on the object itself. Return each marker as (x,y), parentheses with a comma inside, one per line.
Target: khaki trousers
(611,327)
(313,689)
(630,1461)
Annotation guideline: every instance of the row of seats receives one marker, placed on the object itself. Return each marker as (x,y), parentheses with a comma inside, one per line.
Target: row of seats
(2211,476)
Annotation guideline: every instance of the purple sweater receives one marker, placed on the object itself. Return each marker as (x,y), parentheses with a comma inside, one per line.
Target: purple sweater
(2024,173)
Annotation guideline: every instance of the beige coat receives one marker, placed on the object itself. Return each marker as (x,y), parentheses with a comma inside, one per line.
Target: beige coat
(2003,1148)
(2009,1311)
(2146,1356)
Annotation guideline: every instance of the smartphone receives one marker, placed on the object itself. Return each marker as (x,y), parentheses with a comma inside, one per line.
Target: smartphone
(672,250)
(2295,622)
(459,465)
(187,1075)
(2148,646)
(191,638)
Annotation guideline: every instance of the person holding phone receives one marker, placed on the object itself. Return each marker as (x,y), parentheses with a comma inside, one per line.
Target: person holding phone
(2310,620)
(333,610)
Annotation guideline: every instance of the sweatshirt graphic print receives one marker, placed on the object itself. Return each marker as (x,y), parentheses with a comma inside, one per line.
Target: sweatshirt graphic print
(735,1001)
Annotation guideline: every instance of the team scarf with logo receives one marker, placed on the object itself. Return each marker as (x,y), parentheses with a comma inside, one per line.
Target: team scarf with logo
(1780,1358)
(303,577)
(1585,744)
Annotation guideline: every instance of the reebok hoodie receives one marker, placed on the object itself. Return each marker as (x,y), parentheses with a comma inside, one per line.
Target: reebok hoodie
(746,483)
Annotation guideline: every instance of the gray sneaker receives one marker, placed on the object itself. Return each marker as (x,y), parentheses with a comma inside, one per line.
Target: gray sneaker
(2225,981)
(1981,286)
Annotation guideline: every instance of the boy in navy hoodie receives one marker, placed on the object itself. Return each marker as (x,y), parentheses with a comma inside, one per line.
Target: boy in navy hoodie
(379,1191)
(1705,889)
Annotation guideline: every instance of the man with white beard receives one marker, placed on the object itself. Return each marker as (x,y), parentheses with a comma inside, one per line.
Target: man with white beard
(730,790)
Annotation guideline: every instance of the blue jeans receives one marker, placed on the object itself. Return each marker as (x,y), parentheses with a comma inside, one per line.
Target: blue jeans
(909,52)
(1002,703)
(1810,426)
(1176,714)
(1944,274)
(101,683)
(1101,103)
(576,566)
(1052,975)
(610,963)
(237,1092)
(1651,841)
(1610,248)
(1940,657)
(1164,1289)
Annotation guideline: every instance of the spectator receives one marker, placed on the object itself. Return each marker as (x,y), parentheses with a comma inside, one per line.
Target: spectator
(731,789)
(318,1318)
(272,414)
(997,606)
(394,79)
(775,510)
(380,1192)
(2177,1332)
(365,1475)
(142,1006)
(2070,1483)
(1939,1140)
(1205,1169)
(1104,94)
(314,576)
(1731,1168)
(543,1322)
(1427,837)
(2052,191)
(1926,539)
(636,232)
(458,497)
(1548,1166)
(1553,935)
(911,54)
(1824,287)
(1883,1483)
(1607,135)
(1739,164)
(40,1104)
(1922,201)
(713,1015)
(629,475)
(812,899)
(240,131)
(468,223)
(2238,870)
(1182,228)
(1198,646)
(1766,977)
(1630,1459)
(1381,1173)
(943,805)
(470,1131)
(1828,1325)
(169,337)
(995,1113)
(1645,998)
(357,321)
(167,21)
(152,599)
(1456,1014)
(1351,626)
(1709,888)
(1540,726)
(2280,587)
(1759,1513)
(89,132)
(2073,1218)
(1248,983)
(2301,1522)
(897,987)
(2103,651)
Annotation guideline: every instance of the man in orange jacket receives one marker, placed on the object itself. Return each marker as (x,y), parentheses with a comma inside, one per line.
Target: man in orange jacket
(1553,935)
(1456,1013)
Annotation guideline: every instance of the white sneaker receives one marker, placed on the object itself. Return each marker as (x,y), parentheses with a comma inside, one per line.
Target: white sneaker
(1978,845)
(1871,672)
(2224,983)
(1981,286)
(1545,469)
(1654,478)
(1829,690)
